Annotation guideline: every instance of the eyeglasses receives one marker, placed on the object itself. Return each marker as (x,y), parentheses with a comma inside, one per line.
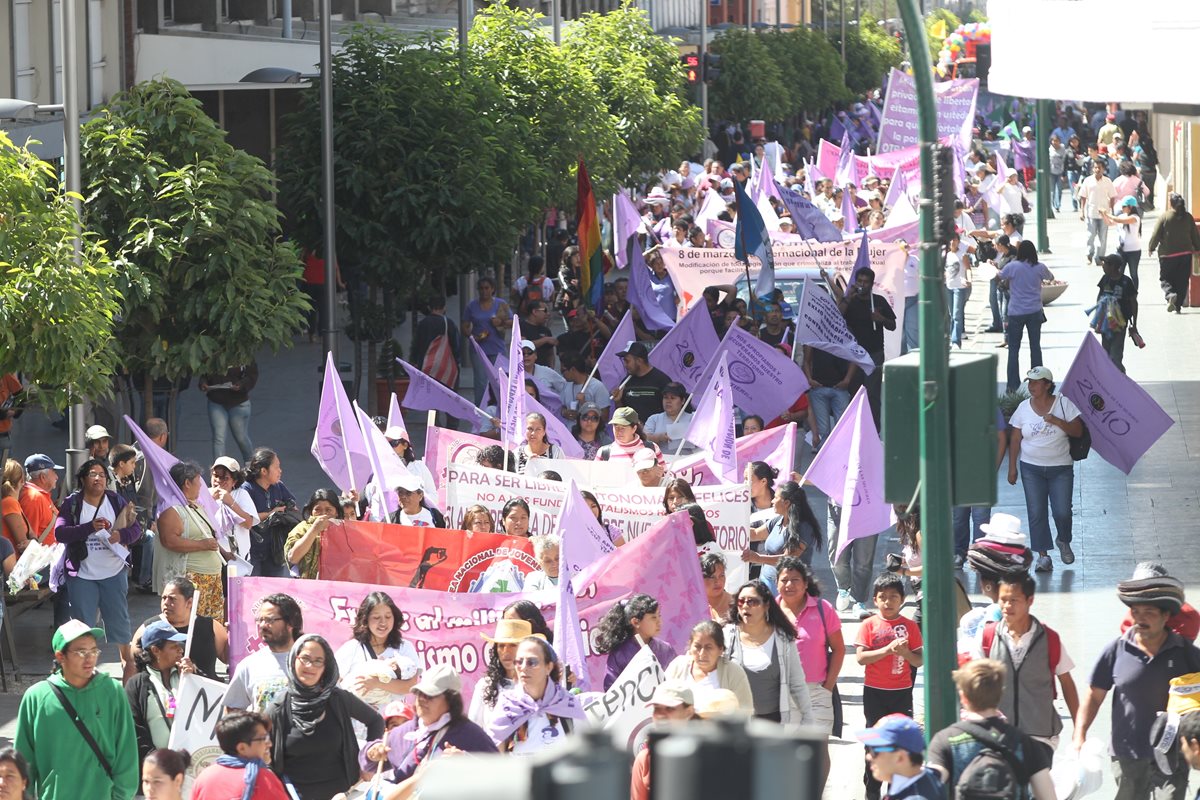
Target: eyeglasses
(261,621)
(749,601)
(532,663)
(97,475)
(311,662)
(396,442)
(91,652)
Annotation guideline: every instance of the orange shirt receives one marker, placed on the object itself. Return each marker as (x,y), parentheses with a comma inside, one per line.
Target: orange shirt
(9,505)
(40,511)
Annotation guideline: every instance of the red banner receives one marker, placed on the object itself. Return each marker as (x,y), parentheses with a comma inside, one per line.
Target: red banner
(420,558)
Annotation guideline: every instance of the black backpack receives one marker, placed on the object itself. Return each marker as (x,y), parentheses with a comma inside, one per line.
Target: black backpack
(994,773)
(269,536)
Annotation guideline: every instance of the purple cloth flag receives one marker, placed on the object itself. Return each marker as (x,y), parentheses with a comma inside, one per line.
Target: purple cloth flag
(863,259)
(809,221)
(338,444)
(846,170)
(492,370)
(396,416)
(764,380)
(387,470)
(556,431)
(712,429)
(849,212)
(849,470)
(626,221)
(685,351)
(583,542)
(159,462)
(820,324)
(1121,416)
(568,635)
(609,365)
(641,293)
(512,402)
(751,239)
(426,394)
(898,187)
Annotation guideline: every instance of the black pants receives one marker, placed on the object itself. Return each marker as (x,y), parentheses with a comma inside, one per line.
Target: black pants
(877,704)
(1173,276)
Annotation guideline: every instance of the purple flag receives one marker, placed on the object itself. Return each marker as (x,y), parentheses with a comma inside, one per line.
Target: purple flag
(712,429)
(609,365)
(849,212)
(426,394)
(764,380)
(626,221)
(863,259)
(569,636)
(387,470)
(556,431)
(849,470)
(845,166)
(820,324)
(896,188)
(493,374)
(641,293)
(583,542)
(512,403)
(687,348)
(808,219)
(1121,416)
(396,416)
(338,444)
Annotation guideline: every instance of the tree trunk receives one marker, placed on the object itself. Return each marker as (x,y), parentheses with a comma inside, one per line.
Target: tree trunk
(172,412)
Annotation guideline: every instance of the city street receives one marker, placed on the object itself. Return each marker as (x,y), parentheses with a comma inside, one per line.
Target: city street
(1118,520)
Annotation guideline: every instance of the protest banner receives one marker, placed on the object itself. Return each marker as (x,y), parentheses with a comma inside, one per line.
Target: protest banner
(442,559)
(883,165)
(955,111)
(594,474)
(775,446)
(1121,416)
(444,446)
(622,709)
(448,627)
(199,703)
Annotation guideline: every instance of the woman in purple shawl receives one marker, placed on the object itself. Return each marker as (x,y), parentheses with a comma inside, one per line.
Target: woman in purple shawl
(537,711)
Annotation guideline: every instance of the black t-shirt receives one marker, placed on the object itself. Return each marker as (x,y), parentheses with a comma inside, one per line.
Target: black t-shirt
(775,339)
(204,644)
(828,369)
(1034,756)
(1122,290)
(868,333)
(644,394)
(545,353)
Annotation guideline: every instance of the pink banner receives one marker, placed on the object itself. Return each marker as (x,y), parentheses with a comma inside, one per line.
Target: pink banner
(448,628)
(776,446)
(444,446)
(881,164)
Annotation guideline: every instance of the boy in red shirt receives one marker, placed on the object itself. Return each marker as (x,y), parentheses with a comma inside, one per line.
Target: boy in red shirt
(889,646)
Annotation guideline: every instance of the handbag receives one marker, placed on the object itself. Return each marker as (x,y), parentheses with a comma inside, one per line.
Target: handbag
(439,362)
(839,720)
(1081,445)
(83,731)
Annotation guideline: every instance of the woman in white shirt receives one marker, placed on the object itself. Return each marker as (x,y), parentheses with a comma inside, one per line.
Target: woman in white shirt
(958,288)
(238,514)
(378,664)
(537,445)
(1129,218)
(1039,440)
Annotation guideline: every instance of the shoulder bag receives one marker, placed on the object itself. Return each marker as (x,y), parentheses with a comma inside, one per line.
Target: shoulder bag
(838,713)
(1081,445)
(83,731)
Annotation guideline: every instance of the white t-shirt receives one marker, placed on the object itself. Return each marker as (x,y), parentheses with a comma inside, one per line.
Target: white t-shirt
(240,533)
(956,272)
(537,581)
(354,652)
(1043,444)
(102,561)
(422,519)
(661,423)
(1099,195)
(757,659)
(258,679)
(480,713)
(541,734)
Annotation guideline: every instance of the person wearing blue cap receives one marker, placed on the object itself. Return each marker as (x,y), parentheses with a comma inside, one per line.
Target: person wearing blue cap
(153,690)
(896,757)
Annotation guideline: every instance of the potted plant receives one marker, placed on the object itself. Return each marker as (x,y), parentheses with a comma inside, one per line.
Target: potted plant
(1009,401)
(389,375)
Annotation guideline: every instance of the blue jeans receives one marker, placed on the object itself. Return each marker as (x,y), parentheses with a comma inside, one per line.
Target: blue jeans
(1072,182)
(237,420)
(912,327)
(854,571)
(967,520)
(1132,259)
(1017,322)
(828,405)
(956,302)
(479,372)
(1056,187)
(1042,484)
(998,303)
(109,597)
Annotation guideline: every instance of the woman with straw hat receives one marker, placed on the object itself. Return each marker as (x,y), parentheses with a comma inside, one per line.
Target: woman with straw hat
(501,669)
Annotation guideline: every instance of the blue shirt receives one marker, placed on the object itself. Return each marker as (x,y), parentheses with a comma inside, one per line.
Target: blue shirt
(1025,286)
(492,343)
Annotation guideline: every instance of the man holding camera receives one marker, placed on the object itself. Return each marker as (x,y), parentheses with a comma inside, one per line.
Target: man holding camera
(867,316)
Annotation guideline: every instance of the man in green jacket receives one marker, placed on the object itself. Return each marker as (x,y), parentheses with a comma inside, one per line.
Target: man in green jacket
(63,765)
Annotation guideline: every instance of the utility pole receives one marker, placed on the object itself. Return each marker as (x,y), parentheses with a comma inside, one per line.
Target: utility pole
(938,619)
(74,183)
(329,335)
(703,78)
(1044,109)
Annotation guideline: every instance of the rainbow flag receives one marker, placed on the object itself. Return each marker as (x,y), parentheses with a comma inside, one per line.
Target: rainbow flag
(591,277)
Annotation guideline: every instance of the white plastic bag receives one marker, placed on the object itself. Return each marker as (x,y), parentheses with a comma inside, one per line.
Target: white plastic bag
(36,558)
(1077,775)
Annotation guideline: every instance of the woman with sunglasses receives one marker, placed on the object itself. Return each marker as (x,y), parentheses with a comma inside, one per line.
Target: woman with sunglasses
(537,711)
(588,431)
(762,640)
(313,740)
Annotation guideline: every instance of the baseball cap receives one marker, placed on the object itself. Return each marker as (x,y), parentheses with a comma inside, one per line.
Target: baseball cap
(624,416)
(437,680)
(409,482)
(40,461)
(589,408)
(672,694)
(1130,201)
(95,433)
(1039,374)
(635,349)
(527,345)
(675,388)
(894,730)
(396,433)
(645,459)
(70,631)
(1027,129)
(159,633)
(228,463)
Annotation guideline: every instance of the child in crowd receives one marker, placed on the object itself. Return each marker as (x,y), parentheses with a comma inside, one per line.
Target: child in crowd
(896,756)
(624,629)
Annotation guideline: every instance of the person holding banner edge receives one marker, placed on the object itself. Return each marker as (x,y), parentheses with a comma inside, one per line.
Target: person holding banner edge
(152,691)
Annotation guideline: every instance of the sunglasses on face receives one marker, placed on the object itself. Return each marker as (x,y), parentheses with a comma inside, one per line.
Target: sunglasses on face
(749,601)
(590,418)
(531,663)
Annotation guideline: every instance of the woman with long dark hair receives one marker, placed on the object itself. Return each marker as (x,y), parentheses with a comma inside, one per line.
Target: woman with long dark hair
(378,664)
(1128,216)
(536,711)
(761,639)
(501,671)
(793,532)
(760,477)
(588,431)
(528,610)
(615,534)
(628,625)
(537,444)
(303,545)
(676,494)
(712,567)
(1175,238)
(1023,277)
(264,484)
(515,518)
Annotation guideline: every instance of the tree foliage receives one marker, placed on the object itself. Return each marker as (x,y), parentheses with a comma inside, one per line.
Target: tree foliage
(811,69)
(643,85)
(56,317)
(935,42)
(752,83)
(190,223)
(870,52)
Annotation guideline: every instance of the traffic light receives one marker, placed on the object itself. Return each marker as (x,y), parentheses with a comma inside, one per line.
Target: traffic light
(691,63)
(944,193)
(712,68)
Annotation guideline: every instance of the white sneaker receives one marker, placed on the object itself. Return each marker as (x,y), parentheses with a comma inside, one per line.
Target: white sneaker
(844,600)
(1044,564)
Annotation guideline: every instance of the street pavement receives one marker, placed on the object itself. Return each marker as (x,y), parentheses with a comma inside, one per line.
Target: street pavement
(1119,520)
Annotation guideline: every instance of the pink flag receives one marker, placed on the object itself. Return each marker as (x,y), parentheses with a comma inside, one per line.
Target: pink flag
(426,394)
(846,171)
(764,380)
(1121,416)
(849,470)
(396,416)
(387,470)
(775,446)
(609,365)
(512,403)
(687,348)
(710,209)
(338,444)
(712,428)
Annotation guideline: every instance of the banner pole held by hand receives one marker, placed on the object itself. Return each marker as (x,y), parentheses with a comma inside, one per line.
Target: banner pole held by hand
(187,646)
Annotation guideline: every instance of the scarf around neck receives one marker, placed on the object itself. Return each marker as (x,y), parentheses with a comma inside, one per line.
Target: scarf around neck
(306,705)
(516,708)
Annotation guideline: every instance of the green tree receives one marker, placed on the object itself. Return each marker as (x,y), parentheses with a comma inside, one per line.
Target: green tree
(870,52)
(977,15)
(56,316)
(935,42)
(643,85)
(752,84)
(188,219)
(561,112)
(811,69)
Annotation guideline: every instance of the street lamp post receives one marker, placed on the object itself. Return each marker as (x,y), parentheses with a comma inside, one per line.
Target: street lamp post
(329,335)
(703,76)
(74,182)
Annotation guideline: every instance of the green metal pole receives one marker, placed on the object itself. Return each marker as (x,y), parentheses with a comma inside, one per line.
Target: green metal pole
(1044,109)
(938,618)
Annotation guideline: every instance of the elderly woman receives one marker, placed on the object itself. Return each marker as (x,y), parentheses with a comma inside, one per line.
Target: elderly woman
(545,550)
(303,545)
(537,711)
(187,543)
(152,691)
(705,667)
(441,727)
(762,640)
(313,739)
(1040,443)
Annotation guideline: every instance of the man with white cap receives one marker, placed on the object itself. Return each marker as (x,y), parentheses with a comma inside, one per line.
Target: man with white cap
(1138,668)
(671,704)
(650,473)
(97,440)
(551,385)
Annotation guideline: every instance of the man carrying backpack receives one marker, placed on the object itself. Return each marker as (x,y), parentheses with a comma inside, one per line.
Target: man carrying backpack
(1034,656)
(982,756)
